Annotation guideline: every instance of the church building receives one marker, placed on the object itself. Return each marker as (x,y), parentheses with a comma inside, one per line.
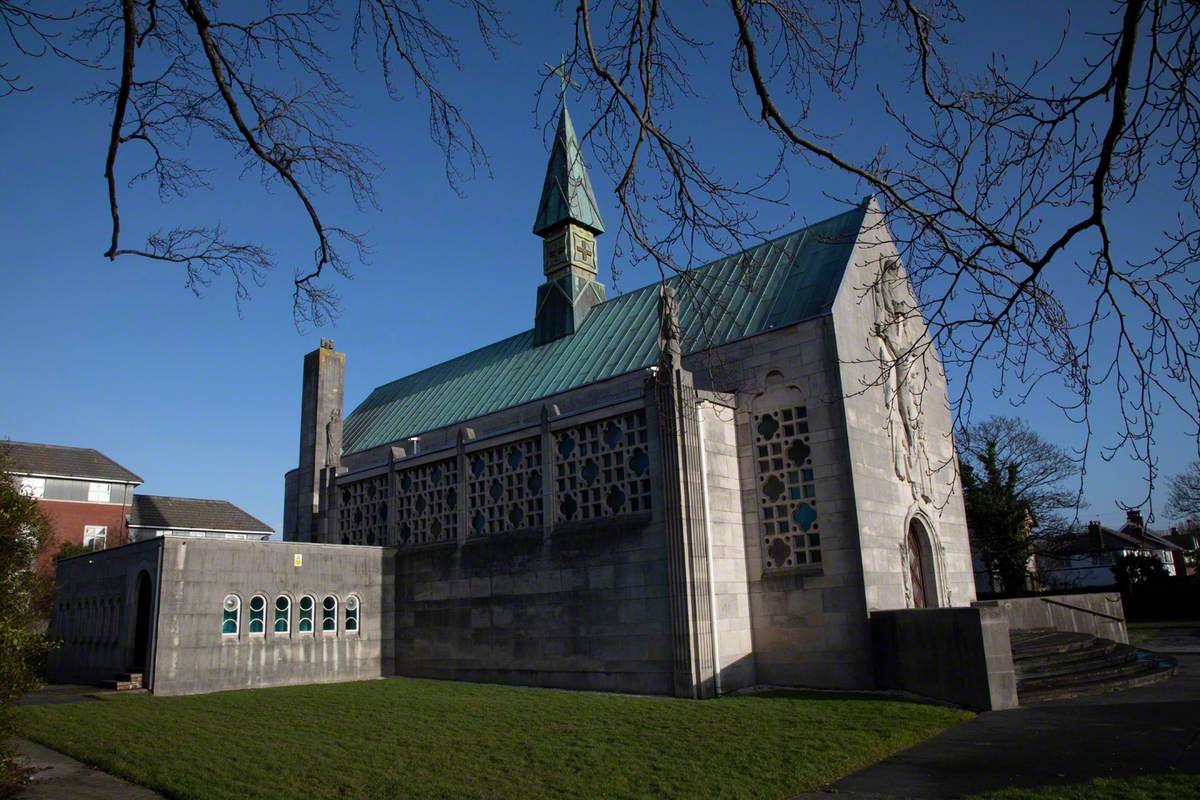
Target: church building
(740,476)
(701,485)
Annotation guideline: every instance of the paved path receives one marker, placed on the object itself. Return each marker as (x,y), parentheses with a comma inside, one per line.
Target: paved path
(1174,641)
(58,777)
(53,694)
(1151,729)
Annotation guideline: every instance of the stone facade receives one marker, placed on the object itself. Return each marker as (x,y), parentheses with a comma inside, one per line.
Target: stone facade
(163,607)
(688,489)
(791,523)
(795,481)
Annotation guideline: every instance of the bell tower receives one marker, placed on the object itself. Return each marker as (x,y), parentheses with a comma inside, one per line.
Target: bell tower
(568,220)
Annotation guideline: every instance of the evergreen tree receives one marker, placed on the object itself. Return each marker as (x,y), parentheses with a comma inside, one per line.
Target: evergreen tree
(1012,488)
(23,645)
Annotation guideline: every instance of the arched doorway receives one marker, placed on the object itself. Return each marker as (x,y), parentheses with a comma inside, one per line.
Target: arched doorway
(143,607)
(921,578)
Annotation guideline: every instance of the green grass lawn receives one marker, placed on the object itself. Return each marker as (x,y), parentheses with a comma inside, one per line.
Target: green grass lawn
(415,738)
(1172,786)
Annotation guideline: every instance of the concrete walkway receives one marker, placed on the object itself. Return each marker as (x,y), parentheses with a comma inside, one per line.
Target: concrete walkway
(57,777)
(1148,730)
(58,693)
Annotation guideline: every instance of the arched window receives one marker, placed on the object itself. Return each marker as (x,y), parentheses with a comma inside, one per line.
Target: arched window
(307,606)
(329,614)
(283,614)
(232,618)
(258,613)
(351,614)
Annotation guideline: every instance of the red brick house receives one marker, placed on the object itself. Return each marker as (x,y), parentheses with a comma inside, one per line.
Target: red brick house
(85,494)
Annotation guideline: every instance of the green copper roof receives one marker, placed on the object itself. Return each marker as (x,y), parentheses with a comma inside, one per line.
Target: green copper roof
(769,286)
(567,192)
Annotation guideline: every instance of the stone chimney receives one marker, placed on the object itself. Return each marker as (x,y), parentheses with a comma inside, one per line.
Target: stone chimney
(1095,535)
(320,437)
(1133,517)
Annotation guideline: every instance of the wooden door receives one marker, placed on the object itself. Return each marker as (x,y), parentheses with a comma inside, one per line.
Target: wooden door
(916,567)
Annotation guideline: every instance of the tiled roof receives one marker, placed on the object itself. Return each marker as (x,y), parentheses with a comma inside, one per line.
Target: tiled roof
(178,513)
(65,462)
(1128,537)
(775,284)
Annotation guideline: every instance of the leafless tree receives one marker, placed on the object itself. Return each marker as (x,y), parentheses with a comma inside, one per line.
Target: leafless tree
(1184,499)
(257,77)
(1041,471)
(1003,191)
(1018,501)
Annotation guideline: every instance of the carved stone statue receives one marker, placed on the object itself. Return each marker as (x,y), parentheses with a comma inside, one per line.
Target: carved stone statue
(898,335)
(333,439)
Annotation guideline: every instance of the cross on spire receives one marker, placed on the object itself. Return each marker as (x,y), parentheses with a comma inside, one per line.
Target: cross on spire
(564,76)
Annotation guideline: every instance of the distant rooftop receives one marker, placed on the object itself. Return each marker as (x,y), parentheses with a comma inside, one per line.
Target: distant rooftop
(188,513)
(29,458)
(774,284)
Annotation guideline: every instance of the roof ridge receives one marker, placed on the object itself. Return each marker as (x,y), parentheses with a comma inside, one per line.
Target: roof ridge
(774,283)
(66,460)
(617,299)
(167,514)
(56,446)
(175,497)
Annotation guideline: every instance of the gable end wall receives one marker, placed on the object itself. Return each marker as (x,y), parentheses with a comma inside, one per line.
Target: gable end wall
(884,504)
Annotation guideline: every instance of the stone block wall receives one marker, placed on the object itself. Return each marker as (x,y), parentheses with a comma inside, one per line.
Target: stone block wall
(885,502)
(581,610)
(959,655)
(96,610)
(723,511)
(530,548)
(808,620)
(1097,614)
(193,653)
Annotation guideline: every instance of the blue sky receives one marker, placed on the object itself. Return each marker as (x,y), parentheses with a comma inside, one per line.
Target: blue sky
(202,403)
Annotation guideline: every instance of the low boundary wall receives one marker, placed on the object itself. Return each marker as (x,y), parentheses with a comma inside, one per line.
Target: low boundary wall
(964,655)
(1098,614)
(959,655)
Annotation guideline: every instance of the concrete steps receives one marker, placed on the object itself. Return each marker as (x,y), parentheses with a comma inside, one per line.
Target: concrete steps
(1056,665)
(124,682)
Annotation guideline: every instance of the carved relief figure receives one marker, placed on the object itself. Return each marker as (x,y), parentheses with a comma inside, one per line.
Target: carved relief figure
(333,439)
(897,336)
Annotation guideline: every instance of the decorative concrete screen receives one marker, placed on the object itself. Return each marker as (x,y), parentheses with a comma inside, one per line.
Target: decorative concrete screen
(88,621)
(602,468)
(786,490)
(363,512)
(505,488)
(427,503)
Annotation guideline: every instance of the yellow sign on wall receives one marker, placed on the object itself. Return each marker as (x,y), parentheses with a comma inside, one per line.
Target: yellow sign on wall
(298,560)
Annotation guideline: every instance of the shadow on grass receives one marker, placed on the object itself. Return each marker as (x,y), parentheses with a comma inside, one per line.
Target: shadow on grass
(427,738)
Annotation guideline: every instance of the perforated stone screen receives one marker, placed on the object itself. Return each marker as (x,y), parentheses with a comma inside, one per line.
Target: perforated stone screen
(427,503)
(602,468)
(786,491)
(362,511)
(504,485)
